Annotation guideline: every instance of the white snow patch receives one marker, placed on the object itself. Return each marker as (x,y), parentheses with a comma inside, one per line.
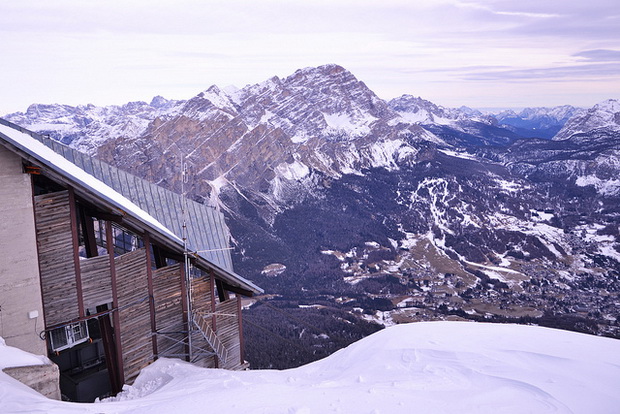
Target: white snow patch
(15,357)
(538,215)
(266,117)
(346,123)
(548,235)
(607,187)
(509,186)
(463,155)
(218,98)
(294,171)
(300,137)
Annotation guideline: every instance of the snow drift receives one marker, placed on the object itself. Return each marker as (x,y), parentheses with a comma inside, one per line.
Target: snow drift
(430,367)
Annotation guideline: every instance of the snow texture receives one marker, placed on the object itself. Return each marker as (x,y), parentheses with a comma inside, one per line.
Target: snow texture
(15,357)
(428,367)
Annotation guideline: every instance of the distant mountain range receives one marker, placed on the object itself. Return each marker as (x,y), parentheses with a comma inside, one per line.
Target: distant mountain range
(342,204)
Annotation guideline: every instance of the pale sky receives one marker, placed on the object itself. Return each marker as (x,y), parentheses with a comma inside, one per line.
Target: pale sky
(479,53)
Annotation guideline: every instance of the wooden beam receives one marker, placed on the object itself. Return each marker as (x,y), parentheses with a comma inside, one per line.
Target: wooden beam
(222,292)
(107,336)
(88,230)
(34,218)
(214,310)
(149,278)
(76,251)
(241,342)
(105,216)
(116,317)
(185,306)
(159,257)
(238,290)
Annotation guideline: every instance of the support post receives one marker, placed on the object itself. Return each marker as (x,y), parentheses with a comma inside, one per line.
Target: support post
(116,316)
(213,309)
(88,230)
(222,293)
(76,252)
(149,277)
(241,343)
(186,308)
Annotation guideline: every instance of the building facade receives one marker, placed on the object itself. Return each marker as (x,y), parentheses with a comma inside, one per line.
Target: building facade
(97,275)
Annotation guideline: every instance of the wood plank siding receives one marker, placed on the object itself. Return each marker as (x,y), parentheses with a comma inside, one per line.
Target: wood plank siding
(133,303)
(228,332)
(226,324)
(201,295)
(56,263)
(96,281)
(169,309)
(201,303)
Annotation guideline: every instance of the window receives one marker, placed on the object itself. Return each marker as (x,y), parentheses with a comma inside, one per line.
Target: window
(68,336)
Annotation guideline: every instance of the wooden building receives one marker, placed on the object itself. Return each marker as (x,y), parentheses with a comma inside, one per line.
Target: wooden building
(99,272)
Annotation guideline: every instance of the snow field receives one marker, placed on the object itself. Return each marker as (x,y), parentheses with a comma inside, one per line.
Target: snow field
(428,367)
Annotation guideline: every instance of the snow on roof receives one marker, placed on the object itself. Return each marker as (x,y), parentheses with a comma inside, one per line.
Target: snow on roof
(56,162)
(23,141)
(427,367)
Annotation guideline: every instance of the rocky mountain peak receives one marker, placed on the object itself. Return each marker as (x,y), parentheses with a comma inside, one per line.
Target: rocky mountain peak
(604,115)
(420,111)
(159,102)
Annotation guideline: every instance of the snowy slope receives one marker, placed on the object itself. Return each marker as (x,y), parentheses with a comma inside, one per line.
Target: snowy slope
(604,115)
(434,367)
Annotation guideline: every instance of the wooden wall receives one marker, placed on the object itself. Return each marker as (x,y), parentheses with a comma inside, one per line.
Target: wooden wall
(169,309)
(228,332)
(60,293)
(201,295)
(134,314)
(201,303)
(226,324)
(55,245)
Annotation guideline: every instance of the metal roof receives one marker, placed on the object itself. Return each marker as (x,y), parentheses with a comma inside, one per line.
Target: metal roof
(207,232)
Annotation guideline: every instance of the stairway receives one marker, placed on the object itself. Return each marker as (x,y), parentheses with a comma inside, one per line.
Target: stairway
(201,322)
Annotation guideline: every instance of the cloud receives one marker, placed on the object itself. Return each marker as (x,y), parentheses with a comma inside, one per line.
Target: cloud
(600,71)
(508,8)
(599,55)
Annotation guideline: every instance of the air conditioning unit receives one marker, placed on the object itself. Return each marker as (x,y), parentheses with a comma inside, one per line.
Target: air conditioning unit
(68,336)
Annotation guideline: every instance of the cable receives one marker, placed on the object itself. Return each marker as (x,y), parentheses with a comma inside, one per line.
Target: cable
(245,320)
(317,330)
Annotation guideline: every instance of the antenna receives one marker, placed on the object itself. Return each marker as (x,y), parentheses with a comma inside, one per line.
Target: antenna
(186,254)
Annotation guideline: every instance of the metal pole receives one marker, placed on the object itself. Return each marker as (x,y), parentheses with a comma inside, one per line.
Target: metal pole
(188,272)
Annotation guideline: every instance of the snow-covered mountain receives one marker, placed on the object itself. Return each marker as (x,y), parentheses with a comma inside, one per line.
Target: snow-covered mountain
(391,211)
(270,137)
(85,127)
(603,116)
(420,111)
(538,122)
(440,367)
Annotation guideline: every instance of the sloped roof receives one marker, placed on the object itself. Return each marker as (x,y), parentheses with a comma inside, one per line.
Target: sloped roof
(141,202)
